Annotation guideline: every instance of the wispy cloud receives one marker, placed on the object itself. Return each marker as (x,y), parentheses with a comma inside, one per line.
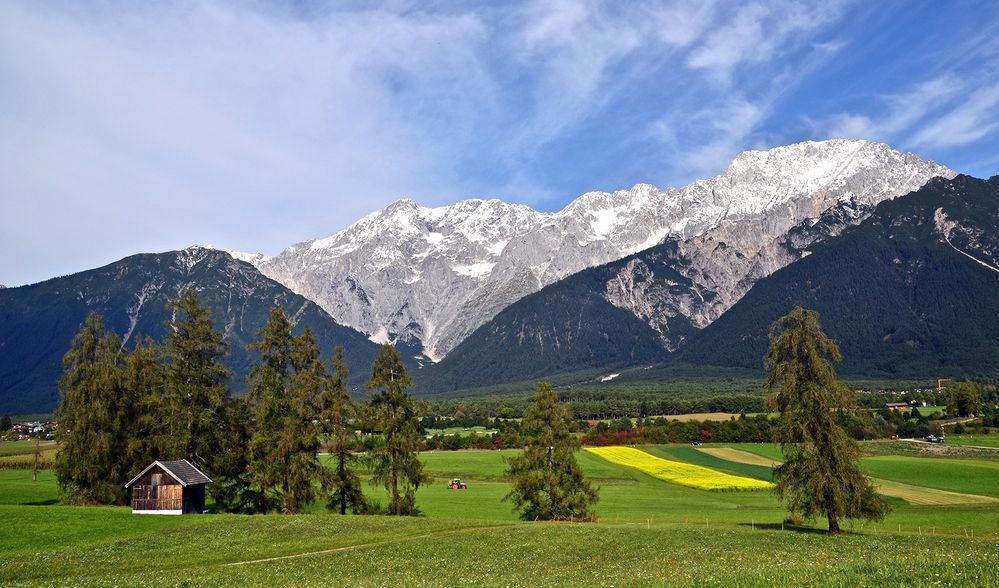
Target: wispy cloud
(945,109)
(171,125)
(756,32)
(965,123)
(150,126)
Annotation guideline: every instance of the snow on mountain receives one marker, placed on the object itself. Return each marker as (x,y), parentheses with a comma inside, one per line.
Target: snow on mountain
(434,275)
(251,258)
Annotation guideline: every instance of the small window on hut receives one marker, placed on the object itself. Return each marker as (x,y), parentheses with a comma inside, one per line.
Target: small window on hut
(157,480)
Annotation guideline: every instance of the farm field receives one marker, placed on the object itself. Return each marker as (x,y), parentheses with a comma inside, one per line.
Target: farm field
(699,416)
(974,440)
(21,454)
(478,430)
(648,532)
(678,472)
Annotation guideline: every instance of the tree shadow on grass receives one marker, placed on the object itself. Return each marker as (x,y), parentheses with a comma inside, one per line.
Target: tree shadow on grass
(791,528)
(48,502)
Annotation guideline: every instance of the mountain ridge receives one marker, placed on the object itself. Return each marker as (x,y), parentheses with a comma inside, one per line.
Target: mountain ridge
(913,290)
(434,275)
(38,321)
(926,315)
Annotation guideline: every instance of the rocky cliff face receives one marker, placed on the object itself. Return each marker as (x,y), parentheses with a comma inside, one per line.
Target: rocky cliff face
(434,275)
(719,267)
(913,291)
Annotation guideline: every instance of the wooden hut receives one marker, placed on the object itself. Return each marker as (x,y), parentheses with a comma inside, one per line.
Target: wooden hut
(169,487)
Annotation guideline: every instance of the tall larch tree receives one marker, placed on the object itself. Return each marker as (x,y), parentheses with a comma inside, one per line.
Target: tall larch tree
(91,465)
(301,434)
(821,473)
(338,414)
(196,381)
(143,393)
(547,482)
(396,416)
(285,387)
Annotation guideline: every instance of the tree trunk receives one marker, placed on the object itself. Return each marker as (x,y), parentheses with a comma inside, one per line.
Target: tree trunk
(831,512)
(394,507)
(341,471)
(34,468)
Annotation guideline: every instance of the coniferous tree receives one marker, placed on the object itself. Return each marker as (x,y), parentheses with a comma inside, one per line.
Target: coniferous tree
(547,482)
(143,395)
(233,489)
(269,383)
(5,423)
(396,416)
(337,413)
(302,428)
(196,383)
(285,388)
(821,473)
(91,462)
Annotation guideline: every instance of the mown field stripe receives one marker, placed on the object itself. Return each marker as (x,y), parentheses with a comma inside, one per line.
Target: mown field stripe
(918,495)
(738,456)
(364,545)
(676,472)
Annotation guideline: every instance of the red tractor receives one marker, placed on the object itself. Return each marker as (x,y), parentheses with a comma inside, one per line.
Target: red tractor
(457,484)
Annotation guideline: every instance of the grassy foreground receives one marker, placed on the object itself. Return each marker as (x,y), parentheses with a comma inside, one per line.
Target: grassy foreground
(649,533)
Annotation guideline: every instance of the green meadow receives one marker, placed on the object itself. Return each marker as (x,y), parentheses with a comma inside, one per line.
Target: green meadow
(648,533)
(974,440)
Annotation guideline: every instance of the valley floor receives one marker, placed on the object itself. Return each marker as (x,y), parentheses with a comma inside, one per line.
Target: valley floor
(649,533)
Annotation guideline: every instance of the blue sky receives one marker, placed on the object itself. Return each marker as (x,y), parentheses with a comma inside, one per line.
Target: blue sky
(129,126)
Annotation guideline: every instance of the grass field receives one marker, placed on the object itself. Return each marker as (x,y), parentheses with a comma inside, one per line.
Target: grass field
(974,440)
(463,431)
(648,533)
(970,476)
(21,454)
(699,416)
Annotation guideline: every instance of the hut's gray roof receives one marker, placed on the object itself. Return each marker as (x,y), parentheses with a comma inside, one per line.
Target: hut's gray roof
(181,470)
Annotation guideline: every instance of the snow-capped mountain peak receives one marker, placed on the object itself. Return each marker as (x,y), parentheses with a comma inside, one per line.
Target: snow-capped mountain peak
(436,274)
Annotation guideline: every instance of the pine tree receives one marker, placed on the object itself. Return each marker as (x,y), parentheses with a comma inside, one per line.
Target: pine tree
(196,383)
(547,482)
(285,388)
(91,465)
(395,463)
(337,413)
(821,472)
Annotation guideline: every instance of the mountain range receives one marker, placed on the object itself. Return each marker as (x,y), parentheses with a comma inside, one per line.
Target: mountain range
(910,288)
(913,290)
(432,276)
(38,322)
(483,292)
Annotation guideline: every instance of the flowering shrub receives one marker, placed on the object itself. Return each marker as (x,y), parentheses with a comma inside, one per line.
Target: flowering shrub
(677,472)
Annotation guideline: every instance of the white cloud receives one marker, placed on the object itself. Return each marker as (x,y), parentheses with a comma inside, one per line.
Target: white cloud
(133,116)
(939,113)
(965,123)
(756,32)
(722,130)
(901,112)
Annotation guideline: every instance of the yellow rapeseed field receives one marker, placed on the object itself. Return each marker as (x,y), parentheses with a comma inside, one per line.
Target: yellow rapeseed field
(677,472)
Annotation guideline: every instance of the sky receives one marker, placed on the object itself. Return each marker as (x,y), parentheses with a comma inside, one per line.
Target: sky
(130,127)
